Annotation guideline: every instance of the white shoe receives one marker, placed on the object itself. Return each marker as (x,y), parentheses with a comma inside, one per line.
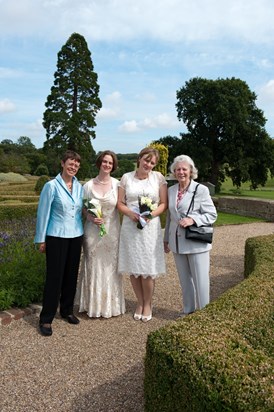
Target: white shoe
(146,318)
(136,316)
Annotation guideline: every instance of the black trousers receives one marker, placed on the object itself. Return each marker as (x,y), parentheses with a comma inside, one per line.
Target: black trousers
(62,261)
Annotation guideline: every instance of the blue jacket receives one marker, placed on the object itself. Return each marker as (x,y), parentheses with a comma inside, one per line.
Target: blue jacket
(59,211)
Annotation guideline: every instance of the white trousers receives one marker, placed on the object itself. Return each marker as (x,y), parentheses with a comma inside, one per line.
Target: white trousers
(193,271)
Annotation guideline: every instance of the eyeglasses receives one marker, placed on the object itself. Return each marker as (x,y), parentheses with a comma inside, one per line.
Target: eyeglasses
(74,165)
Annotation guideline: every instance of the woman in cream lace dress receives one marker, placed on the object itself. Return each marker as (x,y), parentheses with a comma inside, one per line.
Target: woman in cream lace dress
(141,251)
(100,289)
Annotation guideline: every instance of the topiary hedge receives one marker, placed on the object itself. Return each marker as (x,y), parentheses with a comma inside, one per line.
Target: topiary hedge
(17,211)
(220,358)
(40,183)
(19,198)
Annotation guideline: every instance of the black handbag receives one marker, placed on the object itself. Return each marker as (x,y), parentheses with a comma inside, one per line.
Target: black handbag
(201,233)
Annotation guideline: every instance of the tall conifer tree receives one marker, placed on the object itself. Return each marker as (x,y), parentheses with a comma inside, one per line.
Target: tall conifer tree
(71,107)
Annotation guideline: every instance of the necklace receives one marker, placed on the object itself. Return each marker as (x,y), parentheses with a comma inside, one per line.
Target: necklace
(184,190)
(139,177)
(102,182)
(69,186)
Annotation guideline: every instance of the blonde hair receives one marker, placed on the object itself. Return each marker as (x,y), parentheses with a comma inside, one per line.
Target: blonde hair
(149,152)
(189,161)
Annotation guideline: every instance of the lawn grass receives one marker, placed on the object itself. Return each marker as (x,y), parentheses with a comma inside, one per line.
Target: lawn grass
(231,219)
(256,194)
(263,192)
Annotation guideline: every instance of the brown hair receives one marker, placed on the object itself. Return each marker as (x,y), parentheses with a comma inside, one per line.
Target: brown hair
(70,154)
(102,155)
(148,152)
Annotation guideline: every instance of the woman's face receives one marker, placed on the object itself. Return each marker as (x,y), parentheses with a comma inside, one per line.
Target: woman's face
(107,164)
(70,167)
(147,163)
(182,172)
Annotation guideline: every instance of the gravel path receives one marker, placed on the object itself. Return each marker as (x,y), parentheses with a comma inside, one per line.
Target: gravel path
(98,364)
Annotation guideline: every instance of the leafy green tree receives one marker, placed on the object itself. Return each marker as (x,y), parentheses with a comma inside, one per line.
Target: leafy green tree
(226,131)
(173,145)
(163,153)
(25,144)
(124,166)
(22,155)
(8,146)
(73,103)
(14,162)
(41,170)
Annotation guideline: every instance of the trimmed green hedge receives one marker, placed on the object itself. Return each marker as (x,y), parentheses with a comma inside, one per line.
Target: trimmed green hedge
(220,358)
(10,188)
(19,198)
(17,211)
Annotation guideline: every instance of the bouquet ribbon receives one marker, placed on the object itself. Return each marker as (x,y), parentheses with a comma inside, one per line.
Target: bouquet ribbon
(142,221)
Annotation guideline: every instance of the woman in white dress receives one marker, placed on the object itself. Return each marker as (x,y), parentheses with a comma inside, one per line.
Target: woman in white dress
(141,252)
(100,289)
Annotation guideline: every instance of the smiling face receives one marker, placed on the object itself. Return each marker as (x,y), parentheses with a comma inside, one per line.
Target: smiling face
(70,167)
(182,172)
(147,163)
(107,164)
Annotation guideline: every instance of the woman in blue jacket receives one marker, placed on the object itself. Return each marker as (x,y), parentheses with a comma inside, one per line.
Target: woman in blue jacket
(59,233)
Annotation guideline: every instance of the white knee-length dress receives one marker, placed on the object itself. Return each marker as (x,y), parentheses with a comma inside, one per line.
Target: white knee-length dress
(141,251)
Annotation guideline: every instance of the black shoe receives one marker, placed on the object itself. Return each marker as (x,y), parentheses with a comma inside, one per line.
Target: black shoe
(45,330)
(71,319)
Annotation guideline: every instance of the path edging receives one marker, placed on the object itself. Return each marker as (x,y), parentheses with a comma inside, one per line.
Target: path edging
(9,315)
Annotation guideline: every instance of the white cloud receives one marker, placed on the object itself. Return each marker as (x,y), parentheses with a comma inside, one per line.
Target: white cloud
(169,20)
(147,97)
(111,106)
(113,98)
(107,113)
(265,64)
(266,93)
(7,73)
(36,126)
(129,127)
(163,121)
(6,106)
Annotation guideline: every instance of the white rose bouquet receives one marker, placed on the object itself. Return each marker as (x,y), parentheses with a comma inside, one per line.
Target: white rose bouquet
(94,207)
(146,206)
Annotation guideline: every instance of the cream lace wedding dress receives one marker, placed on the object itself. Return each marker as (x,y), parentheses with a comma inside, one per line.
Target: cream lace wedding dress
(100,289)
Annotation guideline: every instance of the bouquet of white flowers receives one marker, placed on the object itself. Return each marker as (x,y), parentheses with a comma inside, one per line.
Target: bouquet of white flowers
(93,207)
(146,206)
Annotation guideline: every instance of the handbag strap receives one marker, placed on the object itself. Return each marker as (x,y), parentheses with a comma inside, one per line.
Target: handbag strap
(192,200)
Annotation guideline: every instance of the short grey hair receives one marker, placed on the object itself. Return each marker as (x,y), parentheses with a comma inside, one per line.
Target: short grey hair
(189,161)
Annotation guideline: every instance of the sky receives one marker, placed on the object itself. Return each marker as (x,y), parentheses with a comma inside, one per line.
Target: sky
(143,51)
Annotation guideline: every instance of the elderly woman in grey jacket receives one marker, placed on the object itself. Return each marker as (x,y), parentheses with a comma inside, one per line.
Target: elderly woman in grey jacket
(191,257)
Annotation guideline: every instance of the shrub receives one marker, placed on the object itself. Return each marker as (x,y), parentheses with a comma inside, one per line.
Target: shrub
(14,188)
(19,198)
(17,211)
(40,183)
(22,269)
(163,152)
(42,170)
(12,177)
(220,358)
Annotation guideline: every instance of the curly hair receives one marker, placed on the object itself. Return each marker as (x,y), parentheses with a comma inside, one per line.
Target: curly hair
(189,161)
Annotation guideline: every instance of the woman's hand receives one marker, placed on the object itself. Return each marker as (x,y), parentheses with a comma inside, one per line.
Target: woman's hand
(96,220)
(42,247)
(166,247)
(186,221)
(133,216)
